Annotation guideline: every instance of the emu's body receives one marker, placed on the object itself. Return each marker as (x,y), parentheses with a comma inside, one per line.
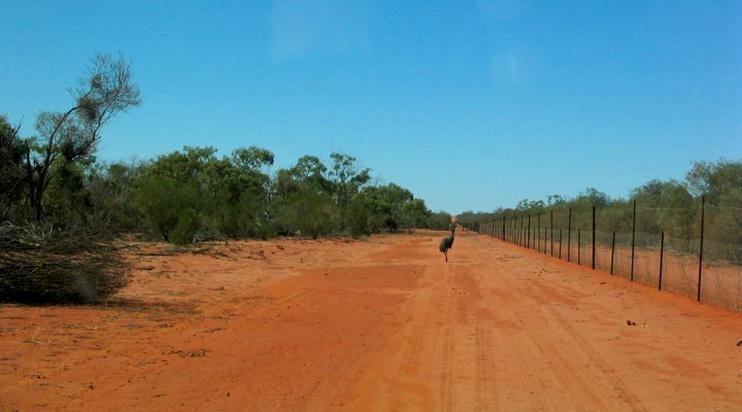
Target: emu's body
(447,242)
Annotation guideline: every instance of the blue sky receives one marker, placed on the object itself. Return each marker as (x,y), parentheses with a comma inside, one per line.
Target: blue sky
(470,104)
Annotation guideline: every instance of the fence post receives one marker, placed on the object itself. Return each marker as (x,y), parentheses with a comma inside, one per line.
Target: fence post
(538,233)
(517,231)
(613,249)
(569,235)
(551,248)
(520,231)
(503,226)
(633,240)
(700,253)
(662,253)
(593,237)
(510,229)
(560,243)
(546,232)
(523,230)
(528,244)
(578,246)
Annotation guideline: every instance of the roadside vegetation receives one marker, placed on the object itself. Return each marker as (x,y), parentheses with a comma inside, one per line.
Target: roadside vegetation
(60,206)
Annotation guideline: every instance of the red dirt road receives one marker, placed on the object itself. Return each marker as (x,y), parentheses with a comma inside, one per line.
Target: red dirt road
(382,324)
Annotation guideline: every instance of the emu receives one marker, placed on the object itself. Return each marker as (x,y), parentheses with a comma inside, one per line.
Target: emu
(447,242)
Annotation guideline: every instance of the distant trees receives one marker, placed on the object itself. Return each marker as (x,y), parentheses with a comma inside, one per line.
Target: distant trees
(304,199)
(193,194)
(671,206)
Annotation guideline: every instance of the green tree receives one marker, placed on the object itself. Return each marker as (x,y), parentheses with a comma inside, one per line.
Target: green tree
(12,173)
(713,180)
(170,206)
(346,177)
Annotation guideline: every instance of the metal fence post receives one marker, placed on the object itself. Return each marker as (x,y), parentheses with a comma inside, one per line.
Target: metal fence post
(560,243)
(593,237)
(519,229)
(700,253)
(538,234)
(517,232)
(633,240)
(613,249)
(528,243)
(662,252)
(551,248)
(569,235)
(523,230)
(579,242)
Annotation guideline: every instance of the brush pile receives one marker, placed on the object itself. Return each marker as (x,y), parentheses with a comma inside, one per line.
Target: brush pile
(43,265)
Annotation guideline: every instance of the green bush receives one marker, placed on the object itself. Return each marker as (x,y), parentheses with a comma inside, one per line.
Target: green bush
(356,217)
(169,207)
(307,213)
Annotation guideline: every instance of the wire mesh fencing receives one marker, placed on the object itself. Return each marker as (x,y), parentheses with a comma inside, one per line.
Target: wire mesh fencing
(695,252)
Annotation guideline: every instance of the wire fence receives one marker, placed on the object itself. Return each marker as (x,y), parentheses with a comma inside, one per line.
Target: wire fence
(696,253)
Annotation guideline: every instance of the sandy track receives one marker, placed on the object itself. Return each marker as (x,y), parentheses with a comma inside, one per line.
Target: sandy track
(376,325)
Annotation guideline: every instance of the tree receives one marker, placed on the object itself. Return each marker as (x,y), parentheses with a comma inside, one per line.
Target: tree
(555,200)
(713,180)
(68,137)
(392,207)
(12,173)
(346,177)
(593,197)
(219,196)
(111,190)
(307,212)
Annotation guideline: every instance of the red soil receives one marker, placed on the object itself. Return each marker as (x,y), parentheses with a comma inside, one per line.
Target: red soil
(382,324)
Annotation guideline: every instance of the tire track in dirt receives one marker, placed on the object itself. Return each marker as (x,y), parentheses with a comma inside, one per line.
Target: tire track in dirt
(573,349)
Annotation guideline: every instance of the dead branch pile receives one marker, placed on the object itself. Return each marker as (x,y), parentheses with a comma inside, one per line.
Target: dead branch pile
(43,265)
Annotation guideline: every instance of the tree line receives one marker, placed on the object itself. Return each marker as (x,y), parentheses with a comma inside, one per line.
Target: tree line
(670,206)
(192,194)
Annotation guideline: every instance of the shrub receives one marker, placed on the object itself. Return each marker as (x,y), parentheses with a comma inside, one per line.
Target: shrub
(169,207)
(47,266)
(307,213)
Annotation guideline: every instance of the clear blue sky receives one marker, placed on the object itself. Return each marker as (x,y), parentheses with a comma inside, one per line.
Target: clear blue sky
(470,104)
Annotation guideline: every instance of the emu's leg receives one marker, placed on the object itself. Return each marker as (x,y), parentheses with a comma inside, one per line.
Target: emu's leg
(445,253)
